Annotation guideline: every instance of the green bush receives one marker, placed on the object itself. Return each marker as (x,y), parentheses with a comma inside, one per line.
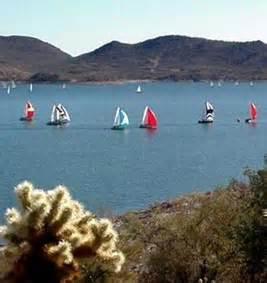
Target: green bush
(221,237)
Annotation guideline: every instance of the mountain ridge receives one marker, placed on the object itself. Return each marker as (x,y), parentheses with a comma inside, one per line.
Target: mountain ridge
(170,57)
(27,55)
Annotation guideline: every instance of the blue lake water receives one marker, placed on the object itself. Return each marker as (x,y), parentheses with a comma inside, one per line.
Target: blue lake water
(122,170)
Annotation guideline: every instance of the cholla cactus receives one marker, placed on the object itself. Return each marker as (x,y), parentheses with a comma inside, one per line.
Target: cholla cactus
(51,236)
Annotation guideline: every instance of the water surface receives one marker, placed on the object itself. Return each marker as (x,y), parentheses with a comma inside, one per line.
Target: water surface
(122,170)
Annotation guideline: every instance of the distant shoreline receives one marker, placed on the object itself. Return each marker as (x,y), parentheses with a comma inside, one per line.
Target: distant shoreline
(119,82)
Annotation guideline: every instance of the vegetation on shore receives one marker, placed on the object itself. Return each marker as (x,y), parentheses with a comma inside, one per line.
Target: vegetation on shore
(205,237)
(50,237)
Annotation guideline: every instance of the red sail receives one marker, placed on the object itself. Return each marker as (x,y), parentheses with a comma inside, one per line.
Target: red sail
(30,114)
(29,110)
(253,111)
(151,118)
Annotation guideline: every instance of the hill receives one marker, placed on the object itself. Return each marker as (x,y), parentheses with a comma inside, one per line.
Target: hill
(163,58)
(21,57)
(173,58)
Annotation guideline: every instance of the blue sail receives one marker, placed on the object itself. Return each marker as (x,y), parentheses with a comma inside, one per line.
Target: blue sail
(121,120)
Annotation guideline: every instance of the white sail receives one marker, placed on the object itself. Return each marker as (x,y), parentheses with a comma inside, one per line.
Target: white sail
(211,84)
(57,114)
(53,114)
(117,117)
(64,86)
(125,119)
(8,89)
(66,114)
(31,87)
(251,83)
(13,84)
(144,117)
(121,118)
(237,83)
(139,90)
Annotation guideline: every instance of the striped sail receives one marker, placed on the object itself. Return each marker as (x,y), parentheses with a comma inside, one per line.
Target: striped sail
(64,113)
(209,112)
(59,114)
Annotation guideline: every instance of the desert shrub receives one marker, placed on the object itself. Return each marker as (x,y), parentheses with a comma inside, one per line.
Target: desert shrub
(251,229)
(52,236)
(199,243)
(131,243)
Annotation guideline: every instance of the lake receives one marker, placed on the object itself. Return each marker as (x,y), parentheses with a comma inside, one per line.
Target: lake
(124,170)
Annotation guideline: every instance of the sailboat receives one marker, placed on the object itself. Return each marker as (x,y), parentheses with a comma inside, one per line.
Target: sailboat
(252,113)
(237,83)
(219,84)
(31,87)
(121,120)
(211,84)
(59,116)
(8,89)
(149,119)
(208,114)
(251,83)
(64,86)
(13,84)
(28,112)
(139,89)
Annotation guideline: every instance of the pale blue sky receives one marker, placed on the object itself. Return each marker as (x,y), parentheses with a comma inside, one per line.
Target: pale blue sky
(79,26)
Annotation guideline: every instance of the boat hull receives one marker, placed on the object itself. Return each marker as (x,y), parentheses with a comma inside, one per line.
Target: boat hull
(205,122)
(250,121)
(147,127)
(25,119)
(119,128)
(57,123)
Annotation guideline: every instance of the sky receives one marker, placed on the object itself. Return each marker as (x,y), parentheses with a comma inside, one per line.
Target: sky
(80,26)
